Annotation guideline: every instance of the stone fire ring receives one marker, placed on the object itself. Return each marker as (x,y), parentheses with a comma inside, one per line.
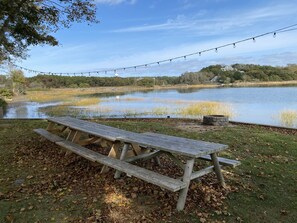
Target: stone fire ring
(218,120)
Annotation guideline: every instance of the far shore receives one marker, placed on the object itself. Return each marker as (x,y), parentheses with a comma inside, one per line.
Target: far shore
(83,91)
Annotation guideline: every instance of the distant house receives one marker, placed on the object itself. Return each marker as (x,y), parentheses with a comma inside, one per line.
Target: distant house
(227,68)
(215,79)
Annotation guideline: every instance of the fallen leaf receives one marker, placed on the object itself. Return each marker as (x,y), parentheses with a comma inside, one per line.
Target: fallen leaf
(202,220)
(9,218)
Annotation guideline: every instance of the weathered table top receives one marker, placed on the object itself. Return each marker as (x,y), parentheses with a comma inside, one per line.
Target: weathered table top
(175,145)
(104,131)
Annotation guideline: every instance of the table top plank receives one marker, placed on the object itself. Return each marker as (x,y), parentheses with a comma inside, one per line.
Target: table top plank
(190,148)
(96,129)
(183,141)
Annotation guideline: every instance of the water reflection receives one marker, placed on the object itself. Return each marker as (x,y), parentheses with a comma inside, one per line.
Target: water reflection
(188,90)
(27,110)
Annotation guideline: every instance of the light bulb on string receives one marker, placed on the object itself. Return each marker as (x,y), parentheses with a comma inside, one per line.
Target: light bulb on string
(254,39)
(274,34)
(199,53)
(234,45)
(216,50)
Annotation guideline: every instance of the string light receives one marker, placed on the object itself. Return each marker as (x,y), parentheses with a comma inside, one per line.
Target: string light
(280,30)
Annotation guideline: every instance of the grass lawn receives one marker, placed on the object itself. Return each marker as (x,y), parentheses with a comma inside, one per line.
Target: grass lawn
(39,184)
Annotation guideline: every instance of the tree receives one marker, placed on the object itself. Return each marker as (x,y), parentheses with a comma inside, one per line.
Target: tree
(31,22)
(18,81)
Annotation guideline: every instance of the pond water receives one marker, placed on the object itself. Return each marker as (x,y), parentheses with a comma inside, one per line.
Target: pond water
(263,105)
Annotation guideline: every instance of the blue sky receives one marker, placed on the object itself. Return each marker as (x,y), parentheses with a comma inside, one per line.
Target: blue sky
(133,32)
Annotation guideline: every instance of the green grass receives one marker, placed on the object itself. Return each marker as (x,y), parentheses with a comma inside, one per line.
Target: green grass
(38,184)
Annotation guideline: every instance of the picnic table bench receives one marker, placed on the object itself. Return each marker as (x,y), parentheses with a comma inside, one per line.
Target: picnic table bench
(143,146)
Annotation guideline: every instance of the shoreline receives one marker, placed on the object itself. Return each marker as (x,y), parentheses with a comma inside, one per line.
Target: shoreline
(123,89)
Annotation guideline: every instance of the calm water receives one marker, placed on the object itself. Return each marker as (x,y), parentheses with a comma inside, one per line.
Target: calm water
(262,105)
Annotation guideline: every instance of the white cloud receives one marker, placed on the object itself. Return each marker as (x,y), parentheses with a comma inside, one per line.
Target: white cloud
(115,2)
(214,24)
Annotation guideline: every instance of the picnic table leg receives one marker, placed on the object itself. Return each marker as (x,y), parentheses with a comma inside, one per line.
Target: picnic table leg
(70,135)
(114,153)
(123,155)
(50,126)
(187,179)
(217,169)
(73,136)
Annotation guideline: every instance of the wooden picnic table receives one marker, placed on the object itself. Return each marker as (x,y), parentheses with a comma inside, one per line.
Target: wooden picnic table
(144,146)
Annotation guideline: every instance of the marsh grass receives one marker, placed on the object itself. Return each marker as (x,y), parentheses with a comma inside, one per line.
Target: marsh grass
(87,112)
(54,95)
(288,118)
(160,111)
(82,101)
(60,110)
(199,109)
(49,95)
(131,99)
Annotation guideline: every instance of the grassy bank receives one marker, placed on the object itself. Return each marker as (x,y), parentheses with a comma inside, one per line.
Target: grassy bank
(39,184)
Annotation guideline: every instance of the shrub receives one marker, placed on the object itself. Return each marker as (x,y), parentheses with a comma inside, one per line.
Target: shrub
(84,85)
(5,93)
(3,104)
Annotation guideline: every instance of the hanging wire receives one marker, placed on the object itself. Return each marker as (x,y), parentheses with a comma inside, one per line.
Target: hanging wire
(134,67)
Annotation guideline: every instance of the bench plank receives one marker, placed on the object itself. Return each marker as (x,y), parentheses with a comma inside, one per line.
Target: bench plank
(136,171)
(223,161)
(143,156)
(50,136)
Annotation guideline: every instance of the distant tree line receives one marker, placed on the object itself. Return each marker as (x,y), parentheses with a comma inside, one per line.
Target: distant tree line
(239,73)
(56,81)
(15,83)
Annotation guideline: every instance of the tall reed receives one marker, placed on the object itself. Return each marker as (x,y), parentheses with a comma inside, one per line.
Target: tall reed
(288,118)
(199,109)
